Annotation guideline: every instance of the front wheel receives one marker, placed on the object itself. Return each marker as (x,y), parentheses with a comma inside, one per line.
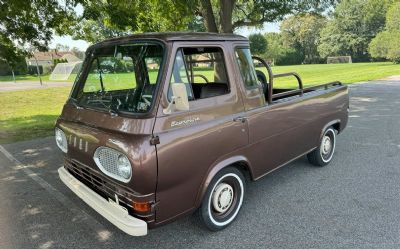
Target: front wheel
(322,155)
(223,199)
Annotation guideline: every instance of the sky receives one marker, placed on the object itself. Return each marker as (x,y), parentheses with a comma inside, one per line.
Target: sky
(268,27)
(67,40)
(83,45)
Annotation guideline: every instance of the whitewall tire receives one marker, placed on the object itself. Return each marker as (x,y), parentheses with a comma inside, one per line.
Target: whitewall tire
(223,199)
(323,154)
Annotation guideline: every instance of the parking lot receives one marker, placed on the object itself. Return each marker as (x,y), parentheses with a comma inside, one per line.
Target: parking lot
(352,203)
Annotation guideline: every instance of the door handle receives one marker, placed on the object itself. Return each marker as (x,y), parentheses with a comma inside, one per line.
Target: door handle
(240,119)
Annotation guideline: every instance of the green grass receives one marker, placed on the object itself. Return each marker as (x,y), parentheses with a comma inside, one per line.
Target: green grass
(324,73)
(115,81)
(31,113)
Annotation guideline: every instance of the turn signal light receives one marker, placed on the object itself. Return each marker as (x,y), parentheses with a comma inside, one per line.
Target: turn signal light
(141,206)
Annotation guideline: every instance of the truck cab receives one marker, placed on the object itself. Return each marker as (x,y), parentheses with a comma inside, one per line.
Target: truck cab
(161,125)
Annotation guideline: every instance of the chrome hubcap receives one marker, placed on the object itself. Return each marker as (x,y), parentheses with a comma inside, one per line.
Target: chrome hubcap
(326,145)
(222,197)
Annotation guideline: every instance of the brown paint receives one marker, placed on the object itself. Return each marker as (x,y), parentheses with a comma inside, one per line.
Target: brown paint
(174,174)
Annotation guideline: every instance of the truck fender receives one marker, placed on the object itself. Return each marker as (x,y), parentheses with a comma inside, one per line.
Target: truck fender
(214,169)
(331,123)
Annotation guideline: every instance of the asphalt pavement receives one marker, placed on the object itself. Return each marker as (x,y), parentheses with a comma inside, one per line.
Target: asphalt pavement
(352,203)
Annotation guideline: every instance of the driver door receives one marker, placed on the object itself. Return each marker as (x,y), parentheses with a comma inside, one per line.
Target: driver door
(192,141)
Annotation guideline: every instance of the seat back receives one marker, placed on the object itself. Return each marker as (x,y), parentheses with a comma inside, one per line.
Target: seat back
(213,89)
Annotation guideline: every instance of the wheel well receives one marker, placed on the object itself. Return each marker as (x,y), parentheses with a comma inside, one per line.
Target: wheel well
(244,168)
(336,126)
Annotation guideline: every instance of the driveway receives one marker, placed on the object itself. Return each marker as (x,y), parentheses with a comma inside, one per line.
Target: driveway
(352,203)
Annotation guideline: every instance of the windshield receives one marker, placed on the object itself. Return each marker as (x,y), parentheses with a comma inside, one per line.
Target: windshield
(121,78)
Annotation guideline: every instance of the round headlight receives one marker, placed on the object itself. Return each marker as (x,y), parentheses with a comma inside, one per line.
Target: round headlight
(124,167)
(61,140)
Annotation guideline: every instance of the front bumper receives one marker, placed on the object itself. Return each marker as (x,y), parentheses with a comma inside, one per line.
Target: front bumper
(110,210)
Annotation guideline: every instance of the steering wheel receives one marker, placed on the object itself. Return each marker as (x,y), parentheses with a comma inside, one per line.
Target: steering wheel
(202,76)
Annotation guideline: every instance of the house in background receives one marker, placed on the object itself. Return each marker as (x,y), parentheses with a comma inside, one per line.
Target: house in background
(45,60)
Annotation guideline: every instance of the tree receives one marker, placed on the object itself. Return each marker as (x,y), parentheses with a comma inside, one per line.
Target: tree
(258,44)
(278,52)
(32,23)
(112,18)
(301,32)
(353,25)
(196,25)
(225,16)
(103,19)
(387,43)
(275,46)
(78,53)
(10,55)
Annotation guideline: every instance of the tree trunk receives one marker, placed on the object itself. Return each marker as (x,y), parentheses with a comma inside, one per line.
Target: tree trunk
(208,16)
(226,10)
(12,71)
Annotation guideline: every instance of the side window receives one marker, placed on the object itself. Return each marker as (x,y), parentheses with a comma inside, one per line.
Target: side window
(246,67)
(202,70)
(180,75)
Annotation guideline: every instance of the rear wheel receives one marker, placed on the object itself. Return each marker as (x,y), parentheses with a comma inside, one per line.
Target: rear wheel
(223,199)
(322,155)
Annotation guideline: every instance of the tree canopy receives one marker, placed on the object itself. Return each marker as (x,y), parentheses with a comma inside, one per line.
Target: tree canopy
(103,19)
(387,43)
(31,23)
(354,24)
(301,32)
(227,15)
(258,44)
(111,18)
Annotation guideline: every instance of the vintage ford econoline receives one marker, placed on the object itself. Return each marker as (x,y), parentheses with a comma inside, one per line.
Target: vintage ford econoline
(160,125)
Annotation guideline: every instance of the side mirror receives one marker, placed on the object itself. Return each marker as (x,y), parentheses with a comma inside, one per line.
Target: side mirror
(179,98)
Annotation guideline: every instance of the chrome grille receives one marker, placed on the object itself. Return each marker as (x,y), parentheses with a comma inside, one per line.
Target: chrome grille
(97,183)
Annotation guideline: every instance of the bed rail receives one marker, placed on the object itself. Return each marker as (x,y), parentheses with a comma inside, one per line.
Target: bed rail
(271,96)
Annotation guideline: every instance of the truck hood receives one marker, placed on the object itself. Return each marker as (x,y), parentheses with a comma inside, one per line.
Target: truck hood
(106,121)
(86,130)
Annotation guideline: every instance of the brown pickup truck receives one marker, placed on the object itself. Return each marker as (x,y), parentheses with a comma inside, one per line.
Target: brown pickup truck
(161,125)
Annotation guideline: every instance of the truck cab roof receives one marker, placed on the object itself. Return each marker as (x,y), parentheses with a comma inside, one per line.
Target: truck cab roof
(176,36)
